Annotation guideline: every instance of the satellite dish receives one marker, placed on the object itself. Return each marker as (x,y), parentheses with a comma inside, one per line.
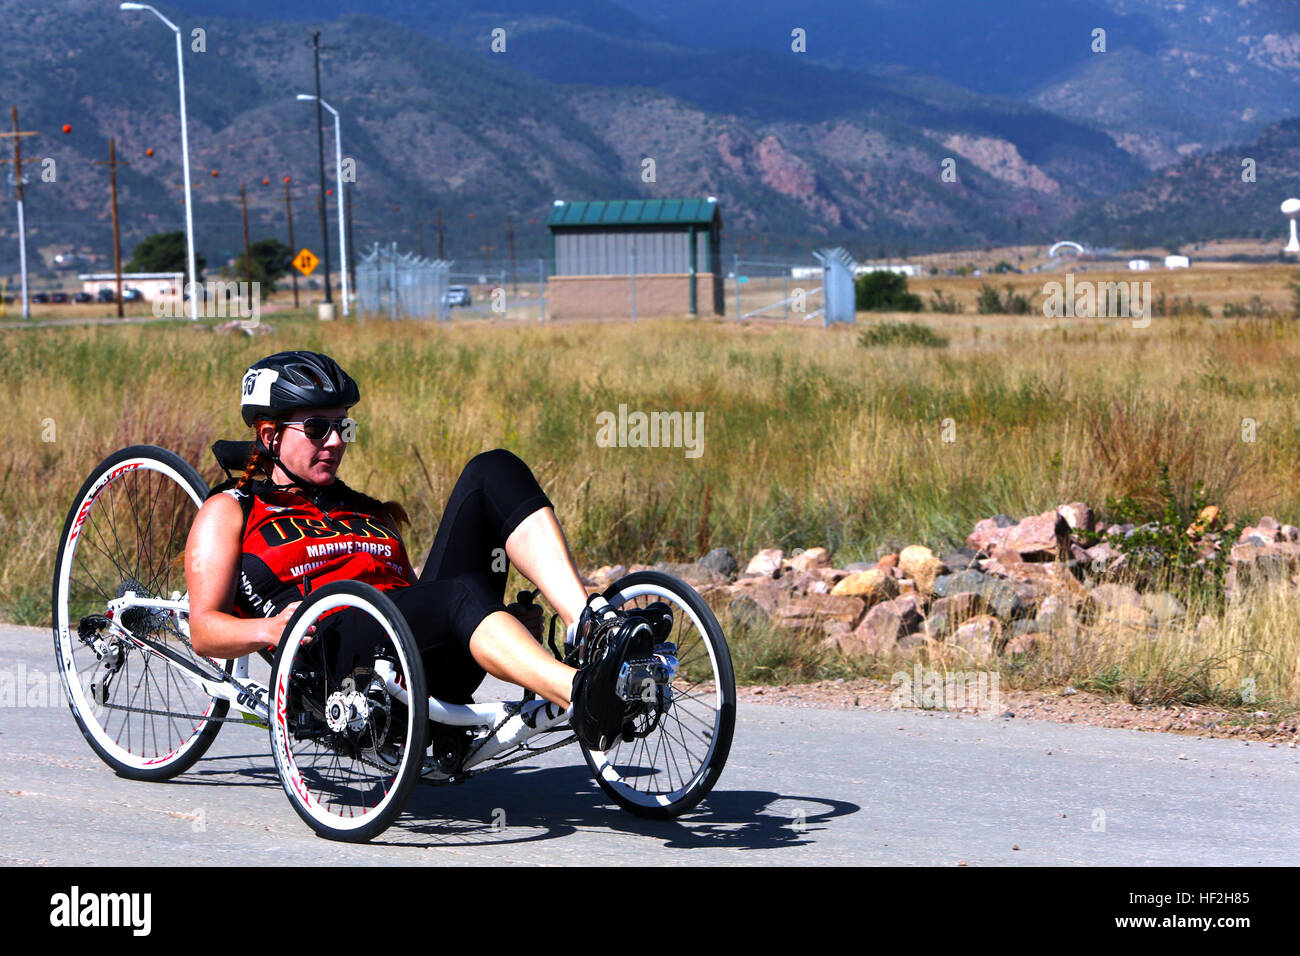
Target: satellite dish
(1291,209)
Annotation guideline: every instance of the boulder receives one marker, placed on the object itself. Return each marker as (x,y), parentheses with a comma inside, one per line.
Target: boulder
(1025,644)
(1164,607)
(1125,621)
(694,573)
(888,562)
(989,533)
(765,592)
(1043,537)
(1056,616)
(946,614)
(918,563)
(1107,597)
(960,559)
(809,560)
(981,637)
(1004,599)
(606,575)
(766,563)
(722,561)
(883,626)
(748,613)
(1078,515)
(817,609)
(872,586)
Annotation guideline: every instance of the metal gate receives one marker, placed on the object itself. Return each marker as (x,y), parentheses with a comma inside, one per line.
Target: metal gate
(837,280)
(402,285)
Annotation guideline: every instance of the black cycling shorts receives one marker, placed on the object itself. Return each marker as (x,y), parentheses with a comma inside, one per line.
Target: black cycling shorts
(464,577)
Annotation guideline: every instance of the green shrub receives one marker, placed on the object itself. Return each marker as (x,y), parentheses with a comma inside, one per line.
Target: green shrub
(900,333)
(882,291)
(991,302)
(945,303)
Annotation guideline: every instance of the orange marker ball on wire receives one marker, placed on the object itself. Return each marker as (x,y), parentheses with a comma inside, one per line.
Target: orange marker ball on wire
(67,128)
(266,182)
(214,174)
(288,179)
(149,151)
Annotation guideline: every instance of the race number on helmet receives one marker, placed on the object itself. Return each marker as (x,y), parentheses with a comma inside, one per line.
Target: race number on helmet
(284,381)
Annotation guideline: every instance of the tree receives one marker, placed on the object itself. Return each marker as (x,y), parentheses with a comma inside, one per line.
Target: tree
(884,291)
(271,260)
(164,252)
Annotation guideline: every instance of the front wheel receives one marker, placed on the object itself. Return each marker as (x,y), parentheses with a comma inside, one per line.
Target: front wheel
(682,744)
(349,711)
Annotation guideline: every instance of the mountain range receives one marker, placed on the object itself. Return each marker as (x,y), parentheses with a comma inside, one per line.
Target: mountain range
(827,121)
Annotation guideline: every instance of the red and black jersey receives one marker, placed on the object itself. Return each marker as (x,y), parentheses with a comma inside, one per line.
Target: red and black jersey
(291,547)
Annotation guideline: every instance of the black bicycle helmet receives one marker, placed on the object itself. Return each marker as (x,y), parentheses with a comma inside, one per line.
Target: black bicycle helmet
(284,381)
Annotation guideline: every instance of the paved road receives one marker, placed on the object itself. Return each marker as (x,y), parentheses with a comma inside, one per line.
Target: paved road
(809,787)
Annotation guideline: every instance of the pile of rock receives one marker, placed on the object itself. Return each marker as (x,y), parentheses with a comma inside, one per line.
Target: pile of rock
(1013,589)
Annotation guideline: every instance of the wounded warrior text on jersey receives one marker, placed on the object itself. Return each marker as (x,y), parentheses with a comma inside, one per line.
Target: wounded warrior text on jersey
(288,544)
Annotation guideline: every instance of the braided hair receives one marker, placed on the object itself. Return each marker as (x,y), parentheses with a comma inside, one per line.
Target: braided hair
(258,461)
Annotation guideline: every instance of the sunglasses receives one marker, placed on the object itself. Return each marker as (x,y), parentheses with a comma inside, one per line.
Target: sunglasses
(318,429)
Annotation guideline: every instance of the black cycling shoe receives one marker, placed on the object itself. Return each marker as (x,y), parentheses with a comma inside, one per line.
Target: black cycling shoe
(659,616)
(599,711)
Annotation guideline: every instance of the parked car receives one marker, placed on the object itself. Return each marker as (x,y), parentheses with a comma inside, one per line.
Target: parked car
(59,297)
(132,295)
(83,297)
(42,297)
(456,295)
(105,295)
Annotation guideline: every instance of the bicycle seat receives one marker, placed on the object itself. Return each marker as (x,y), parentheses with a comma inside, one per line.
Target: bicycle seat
(232,455)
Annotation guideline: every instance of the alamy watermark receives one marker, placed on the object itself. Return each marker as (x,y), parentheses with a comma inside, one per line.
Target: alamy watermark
(931,689)
(76,909)
(1090,300)
(651,430)
(218,299)
(20,687)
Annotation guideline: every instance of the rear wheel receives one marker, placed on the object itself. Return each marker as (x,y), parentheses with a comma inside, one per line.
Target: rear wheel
(682,741)
(348,733)
(124,669)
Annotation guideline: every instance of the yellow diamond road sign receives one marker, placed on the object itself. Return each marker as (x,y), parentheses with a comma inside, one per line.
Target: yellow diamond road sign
(306,262)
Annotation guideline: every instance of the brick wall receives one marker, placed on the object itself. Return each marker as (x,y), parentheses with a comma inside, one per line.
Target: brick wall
(610,297)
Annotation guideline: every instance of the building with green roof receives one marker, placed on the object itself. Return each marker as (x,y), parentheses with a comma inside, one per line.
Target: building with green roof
(623,257)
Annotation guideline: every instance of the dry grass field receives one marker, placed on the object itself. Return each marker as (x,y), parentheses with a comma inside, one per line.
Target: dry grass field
(809,439)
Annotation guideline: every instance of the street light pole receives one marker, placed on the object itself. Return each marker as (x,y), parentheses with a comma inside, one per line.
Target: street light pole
(320,155)
(338,189)
(185,158)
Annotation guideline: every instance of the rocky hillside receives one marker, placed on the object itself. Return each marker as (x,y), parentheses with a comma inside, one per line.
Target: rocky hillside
(792,149)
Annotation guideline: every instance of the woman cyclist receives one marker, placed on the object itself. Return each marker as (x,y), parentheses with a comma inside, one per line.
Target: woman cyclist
(256,550)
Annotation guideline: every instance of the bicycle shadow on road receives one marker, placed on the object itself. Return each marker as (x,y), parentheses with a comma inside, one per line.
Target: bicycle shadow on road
(557,801)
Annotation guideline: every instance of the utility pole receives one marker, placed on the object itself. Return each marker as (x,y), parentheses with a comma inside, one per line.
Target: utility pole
(352,261)
(293,250)
(487,248)
(112,165)
(320,155)
(18,192)
(248,260)
(510,233)
(441,255)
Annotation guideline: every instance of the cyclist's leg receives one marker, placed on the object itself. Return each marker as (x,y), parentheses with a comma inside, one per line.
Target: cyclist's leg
(498,510)
(437,612)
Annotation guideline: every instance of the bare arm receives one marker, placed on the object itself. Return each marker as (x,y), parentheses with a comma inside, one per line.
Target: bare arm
(212,556)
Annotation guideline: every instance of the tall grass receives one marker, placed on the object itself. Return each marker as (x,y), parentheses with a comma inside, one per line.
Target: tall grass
(808,439)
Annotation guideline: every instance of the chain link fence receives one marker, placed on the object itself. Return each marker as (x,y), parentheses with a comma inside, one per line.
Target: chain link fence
(402,285)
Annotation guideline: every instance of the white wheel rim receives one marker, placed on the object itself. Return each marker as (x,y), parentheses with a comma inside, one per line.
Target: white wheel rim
(294,784)
(602,759)
(83,706)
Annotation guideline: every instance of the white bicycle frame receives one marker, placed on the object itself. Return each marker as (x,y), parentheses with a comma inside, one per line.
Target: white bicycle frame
(515,722)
